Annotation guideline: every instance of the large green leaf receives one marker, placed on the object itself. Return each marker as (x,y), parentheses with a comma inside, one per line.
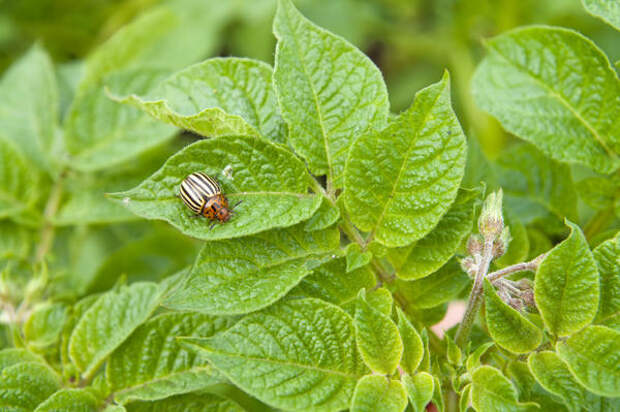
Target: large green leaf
(566,286)
(332,283)
(378,339)
(435,249)
(19,186)
(440,287)
(554,88)
(243,275)
(297,355)
(70,400)
(25,385)
(508,328)
(593,357)
(378,393)
(29,108)
(329,92)
(218,97)
(270,181)
(606,10)
(101,133)
(400,181)
(108,322)
(553,375)
(492,391)
(420,388)
(151,364)
(607,256)
(192,402)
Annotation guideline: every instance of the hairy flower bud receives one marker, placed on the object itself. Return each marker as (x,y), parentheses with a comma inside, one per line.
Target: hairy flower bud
(491,221)
(474,245)
(500,245)
(469,266)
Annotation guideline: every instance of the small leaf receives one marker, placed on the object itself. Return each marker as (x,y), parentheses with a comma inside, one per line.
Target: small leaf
(492,391)
(13,356)
(218,97)
(25,385)
(531,390)
(332,283)
(18,181)
(325,216)
(593,357)
(29,109)
(70,400)
(381,300)
(377,336)
(374,392)
(15,241)
(554,88)
(413,347)
(356,258)
(101,133)
(432,251)
(508,328)
(607,257)
(43,327)
(566,286)
(473,360)
(272,183)
(108,322)
(203,402)
(440,287)
(453,352)
(422,158)
(420,389)
(243,275)
(151,364)
(606,10)
(554,376)
(298,354)
(329,92)
(437,398)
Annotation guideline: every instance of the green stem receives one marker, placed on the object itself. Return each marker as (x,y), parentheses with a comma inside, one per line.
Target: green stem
(475,297)
(532,265)
(47,232)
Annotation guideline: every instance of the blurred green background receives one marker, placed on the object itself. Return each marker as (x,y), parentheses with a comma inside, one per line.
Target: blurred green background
(412,41)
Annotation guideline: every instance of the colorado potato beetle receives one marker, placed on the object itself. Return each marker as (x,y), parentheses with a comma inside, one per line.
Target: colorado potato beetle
(203,196)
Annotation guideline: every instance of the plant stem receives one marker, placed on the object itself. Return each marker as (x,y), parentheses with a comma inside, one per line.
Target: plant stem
(531,265)
(47,232)
(475,297)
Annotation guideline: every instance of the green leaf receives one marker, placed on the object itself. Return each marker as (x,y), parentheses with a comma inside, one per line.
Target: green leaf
(473,360)
(606,10)
(377,337)
(218,97)
(151,364)
(432,251)
(413,347)
(272,183)
(192,402)
(243,275)
(554,88)
(29,108)
(18,181)
(70,400)
(607,257)
(440,287)
(566,286)
(43,327)
(454,355)
(328,91)
(25,385)
(374,392)
(13,356)
(509,328)
(101,133)
(593,357)
(530,390)
(108,322)
(422,156)
(599,192)
(492,391)
(533,184)
(356,258)
(554,376)
(15,241)
(325,216)
(420,389)
(437,397)
(298,354)
(332,283)
(381,300)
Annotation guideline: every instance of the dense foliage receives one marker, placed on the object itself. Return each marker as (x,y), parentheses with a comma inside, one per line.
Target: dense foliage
(357,226)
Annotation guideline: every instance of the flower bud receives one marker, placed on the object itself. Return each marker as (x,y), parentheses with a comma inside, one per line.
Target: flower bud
(491,221)
(500,245)
(469,266)
(474,245)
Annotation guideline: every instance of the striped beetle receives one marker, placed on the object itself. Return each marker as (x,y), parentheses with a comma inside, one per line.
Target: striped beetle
(203,195)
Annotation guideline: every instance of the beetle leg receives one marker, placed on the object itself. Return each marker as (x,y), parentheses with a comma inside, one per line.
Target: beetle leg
(212,226)
(236,204)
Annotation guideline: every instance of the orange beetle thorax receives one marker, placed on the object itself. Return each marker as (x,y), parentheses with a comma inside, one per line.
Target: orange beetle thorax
(216,208)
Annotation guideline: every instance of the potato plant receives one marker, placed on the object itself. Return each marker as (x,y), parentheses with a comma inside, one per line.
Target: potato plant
(357,228)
